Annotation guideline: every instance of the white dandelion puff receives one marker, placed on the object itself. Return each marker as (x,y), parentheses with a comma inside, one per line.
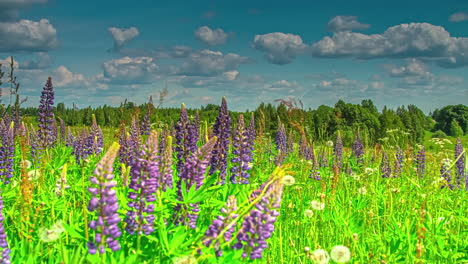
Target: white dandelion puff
(340,254)
(289,180)
(316,205)
(308,213)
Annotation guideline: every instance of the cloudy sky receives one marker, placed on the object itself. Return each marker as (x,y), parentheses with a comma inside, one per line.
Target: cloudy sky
(101,52)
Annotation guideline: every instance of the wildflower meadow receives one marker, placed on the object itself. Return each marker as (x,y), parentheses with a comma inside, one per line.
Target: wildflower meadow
(225,191)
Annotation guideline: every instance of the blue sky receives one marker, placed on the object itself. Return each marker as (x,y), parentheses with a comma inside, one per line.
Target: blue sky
(101,52)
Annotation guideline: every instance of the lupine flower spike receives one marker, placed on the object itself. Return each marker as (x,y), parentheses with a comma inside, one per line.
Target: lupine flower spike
(105,205)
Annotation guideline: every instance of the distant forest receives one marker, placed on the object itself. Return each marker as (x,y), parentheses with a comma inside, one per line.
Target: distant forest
(406,123)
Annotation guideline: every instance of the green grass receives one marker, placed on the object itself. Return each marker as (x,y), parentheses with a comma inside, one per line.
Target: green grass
(383,224)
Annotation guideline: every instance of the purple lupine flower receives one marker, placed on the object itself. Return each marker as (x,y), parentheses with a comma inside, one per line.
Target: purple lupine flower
(315,169)
(323,159)
(421,162)
(304,150)
(165,164)
(145,125)
(193,174)
(280,138)
(54,129)
(258,225)
(459,162)
(145,180)
(242,152)
(70,138)
(125,155)
(222,130)
(7,152)
(105,205)
(446,174)
(63,136)
(96,137)
(338,152)
(162,140)
(358,149)
(82,146)
(134,138)
(223,222)
(398,162)
(186,140)
(385,166)
(5,257)
(45,134)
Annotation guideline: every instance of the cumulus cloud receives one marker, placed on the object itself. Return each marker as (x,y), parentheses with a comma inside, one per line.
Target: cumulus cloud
(62,76)
(121,36)
(345,23)
(419,40)
(210,63)
(43,61)
(211,37)
(231,75)
(280,48)
(27,35)
(413,68)
(459,17)
(128,70)
(9,8)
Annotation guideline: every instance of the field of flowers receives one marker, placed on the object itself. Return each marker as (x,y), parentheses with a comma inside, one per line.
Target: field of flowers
(192,193)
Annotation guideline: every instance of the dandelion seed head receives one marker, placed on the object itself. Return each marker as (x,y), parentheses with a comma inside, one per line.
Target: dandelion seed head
(308,213)
(316,205)
(362,190)
(289,180)
(340,254)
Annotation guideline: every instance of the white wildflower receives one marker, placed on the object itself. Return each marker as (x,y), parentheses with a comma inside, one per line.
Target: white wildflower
(320,256)
(369,171)
(340,254)
(49,235)
(185,260)
(362,190)
(316,205)
(34,175)
(308,213)
(330,143)
(26,164)
(289,180)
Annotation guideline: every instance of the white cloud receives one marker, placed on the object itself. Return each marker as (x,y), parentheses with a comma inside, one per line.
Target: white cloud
(121,36)
(231,75)
(345,23)
(419,40)
(210,63)
(64,77)
(27,35)
(459,17)
(211,37)
(282,86)
(129,70)
(413,68)
(280,48)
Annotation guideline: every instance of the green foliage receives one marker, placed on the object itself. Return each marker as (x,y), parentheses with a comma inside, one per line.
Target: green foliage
(439,134)
(455,129)
(447,114)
